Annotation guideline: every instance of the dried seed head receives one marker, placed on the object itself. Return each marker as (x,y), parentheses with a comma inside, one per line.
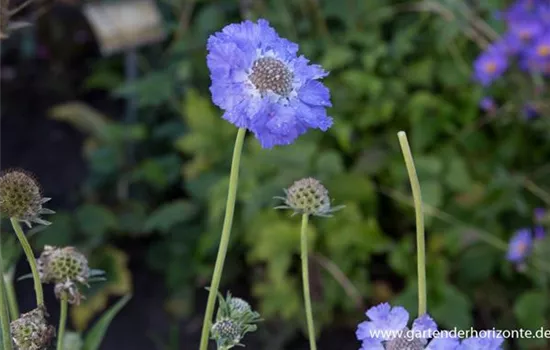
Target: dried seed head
(308,196)
(69,289)
(20,198)
(63,264)
(227,333)
(31,331)
(239,306)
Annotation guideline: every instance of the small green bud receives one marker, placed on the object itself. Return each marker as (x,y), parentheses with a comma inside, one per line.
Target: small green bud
(31,331)
(227,333)
(239,306)
(20,198)
(64,267)
(308,196)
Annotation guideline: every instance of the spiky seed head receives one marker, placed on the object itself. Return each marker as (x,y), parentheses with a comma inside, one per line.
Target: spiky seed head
(308,196)
(31,331)
(58,265)
(239,306)
(20,198)
(227,333)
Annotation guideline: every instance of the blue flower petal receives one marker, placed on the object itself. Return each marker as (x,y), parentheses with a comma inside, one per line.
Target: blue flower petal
(442,343)
(372,344)
(425,324)
(384,317)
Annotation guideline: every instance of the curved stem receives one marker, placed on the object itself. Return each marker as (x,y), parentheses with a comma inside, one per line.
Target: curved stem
(305,282)
(4,316)
(420,239)
(224,242)
(10,295)
(62,321)
(32,261)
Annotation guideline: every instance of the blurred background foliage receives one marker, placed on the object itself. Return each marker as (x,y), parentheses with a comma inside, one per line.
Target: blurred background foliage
(394,66)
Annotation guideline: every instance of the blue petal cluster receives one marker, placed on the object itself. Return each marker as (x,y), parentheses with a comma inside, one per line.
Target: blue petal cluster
(521,243)
(264,86)
(385,323)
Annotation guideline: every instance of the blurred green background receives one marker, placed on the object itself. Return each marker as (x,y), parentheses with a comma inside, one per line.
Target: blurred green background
(144,194)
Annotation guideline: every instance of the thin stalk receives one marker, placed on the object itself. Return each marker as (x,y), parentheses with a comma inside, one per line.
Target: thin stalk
(4,316)
(224,242)
(420,239)
(32,261)
(11,296)
(62,321)
(305,282)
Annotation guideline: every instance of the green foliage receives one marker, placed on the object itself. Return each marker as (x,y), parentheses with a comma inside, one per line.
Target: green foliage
(94,337)
(393,67)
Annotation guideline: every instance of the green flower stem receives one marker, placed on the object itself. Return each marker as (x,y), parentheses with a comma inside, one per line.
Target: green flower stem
(305,282)
(224,242)
(10,295)
(4,316)
(420,239)
(32,261)
(62,321)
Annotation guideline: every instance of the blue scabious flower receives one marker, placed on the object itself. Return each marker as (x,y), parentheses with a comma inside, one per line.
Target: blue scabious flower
(490,341)
(387,329)
(487,104)
(264,86)
(537,57)
(520,246)
(490,65)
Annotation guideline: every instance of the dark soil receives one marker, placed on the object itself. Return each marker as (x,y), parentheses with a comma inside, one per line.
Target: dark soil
(53,152)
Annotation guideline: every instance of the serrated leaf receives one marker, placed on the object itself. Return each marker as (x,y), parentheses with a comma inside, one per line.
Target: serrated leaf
(95,336)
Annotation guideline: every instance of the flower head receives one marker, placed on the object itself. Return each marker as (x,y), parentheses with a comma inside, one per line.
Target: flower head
(487,104)
(31,331)
(490,65)
(387,329)
(308,196)
(64,267)
(227,333)
(520,246)
(264,86)
(20,198)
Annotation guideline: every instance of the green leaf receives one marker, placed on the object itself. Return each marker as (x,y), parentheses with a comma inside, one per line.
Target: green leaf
(530,309)
(95,220)
(169,215)
(337,57)
(478,263)
(452,309)
(95,336)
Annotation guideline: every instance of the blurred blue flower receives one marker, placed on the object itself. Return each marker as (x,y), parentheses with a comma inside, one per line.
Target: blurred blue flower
(538,55)
(487,104)
(490,341)
(520,245)
(387,328)
(490,65)
(263,86)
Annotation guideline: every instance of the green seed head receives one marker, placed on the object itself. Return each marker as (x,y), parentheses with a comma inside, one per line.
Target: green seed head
(59,265)
(308,196)
(227,333)
(31,331)
(20,198)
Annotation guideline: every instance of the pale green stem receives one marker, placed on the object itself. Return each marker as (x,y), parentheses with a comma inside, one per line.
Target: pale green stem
(224,242)
(420,239)
(62,321)
(4,316)
(11,296)
(32,261)
(305,282)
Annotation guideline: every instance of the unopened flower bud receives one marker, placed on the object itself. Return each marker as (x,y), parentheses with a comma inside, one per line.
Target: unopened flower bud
(20,198)
(239,306)
(31,331)
(227,333)
(308,196)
